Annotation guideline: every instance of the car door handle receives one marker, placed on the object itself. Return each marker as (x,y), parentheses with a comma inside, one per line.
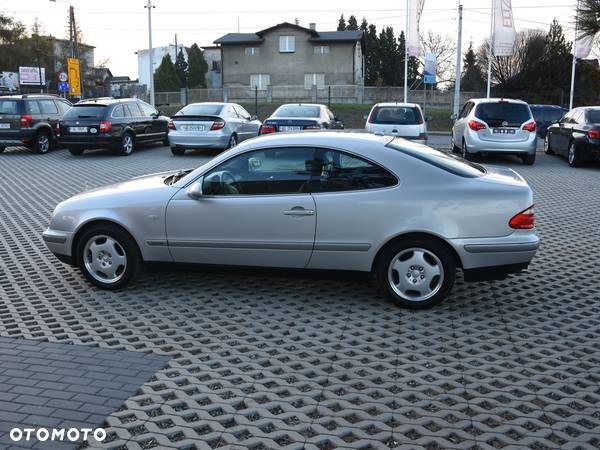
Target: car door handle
(299,212)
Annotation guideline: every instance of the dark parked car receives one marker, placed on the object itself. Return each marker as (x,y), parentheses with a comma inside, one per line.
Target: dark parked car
(117,124)
(546,115)
(30,120)
(301,116)
(576,136)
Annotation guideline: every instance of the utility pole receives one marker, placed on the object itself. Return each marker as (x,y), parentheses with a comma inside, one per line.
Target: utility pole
(176,48)
(574,63)
(406,54)
(458,60)
(150,53)
(491,51)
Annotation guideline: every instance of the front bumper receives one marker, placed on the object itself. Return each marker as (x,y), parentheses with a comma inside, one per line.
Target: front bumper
(185,140)
(60,243)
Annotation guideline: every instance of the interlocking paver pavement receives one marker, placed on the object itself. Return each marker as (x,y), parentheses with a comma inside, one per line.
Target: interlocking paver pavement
(272,359)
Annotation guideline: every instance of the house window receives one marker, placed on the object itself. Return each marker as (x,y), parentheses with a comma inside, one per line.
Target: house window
(260,80)
(287,44)
(252,51)
(311,79)
(321,49)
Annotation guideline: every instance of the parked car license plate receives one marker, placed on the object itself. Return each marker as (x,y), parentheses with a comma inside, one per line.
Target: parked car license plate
(192,127)
(78,129)
(4,125)
(289,128)
(504,131)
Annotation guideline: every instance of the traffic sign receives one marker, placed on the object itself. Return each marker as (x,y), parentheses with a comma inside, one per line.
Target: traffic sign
(62,77)
(63,87)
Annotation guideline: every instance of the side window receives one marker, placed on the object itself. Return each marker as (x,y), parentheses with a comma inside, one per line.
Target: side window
(33,107)
(147,110)
(242,112)
(118,112)
(48,107)
(466,109)
(269,171)
(62,106)
(336,171)
(135,109)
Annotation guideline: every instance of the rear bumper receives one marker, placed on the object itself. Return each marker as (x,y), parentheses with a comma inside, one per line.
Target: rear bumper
(16,137)
(104,141)
(478,145)
(185,140)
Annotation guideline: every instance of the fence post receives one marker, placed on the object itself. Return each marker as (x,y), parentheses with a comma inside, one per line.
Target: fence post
(314,93)
(269,94)
(329,96)
(182,96)
(225,94)
(256,101)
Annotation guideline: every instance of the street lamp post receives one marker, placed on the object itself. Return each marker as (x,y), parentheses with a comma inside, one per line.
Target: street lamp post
(149,6)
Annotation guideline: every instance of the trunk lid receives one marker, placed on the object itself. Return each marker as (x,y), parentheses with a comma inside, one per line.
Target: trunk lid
(82,120)
(10,115)
(404,131)
(195,125)
(292,123)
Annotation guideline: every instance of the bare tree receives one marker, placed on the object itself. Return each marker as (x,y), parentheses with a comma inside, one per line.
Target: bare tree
(444,48)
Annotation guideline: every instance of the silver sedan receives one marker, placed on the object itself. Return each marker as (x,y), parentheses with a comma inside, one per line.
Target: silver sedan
(407,213)
(211,125)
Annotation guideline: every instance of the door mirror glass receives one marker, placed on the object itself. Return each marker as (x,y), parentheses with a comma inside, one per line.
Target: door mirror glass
(254,117)
(195,190)
(454,116)
(428,118)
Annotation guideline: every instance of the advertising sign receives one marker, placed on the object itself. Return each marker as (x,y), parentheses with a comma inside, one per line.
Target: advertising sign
(74,77)
(414,12)
(430,69)
(9,81)
(30,76)
(504,28)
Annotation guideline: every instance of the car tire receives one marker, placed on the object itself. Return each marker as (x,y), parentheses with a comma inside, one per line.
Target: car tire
(2,149)
(165,141)
(127,144)
(232,141)
(547,147)
(528,159)
(77,151)
(105,248)
(41,143)
(573,155)
(465,153)
(178,151)
(453,146)
(424,264)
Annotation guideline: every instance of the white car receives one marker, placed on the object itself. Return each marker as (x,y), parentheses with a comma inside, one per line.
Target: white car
(405,120)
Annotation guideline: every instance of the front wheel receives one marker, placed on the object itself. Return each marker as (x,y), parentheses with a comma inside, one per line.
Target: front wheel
(528,159)
(108,257)
(547,146)
(41,143)
(573,157)
(126,147)
(416,273)
(178,151)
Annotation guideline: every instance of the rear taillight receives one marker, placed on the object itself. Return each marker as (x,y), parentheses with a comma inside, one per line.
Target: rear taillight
(171,125)
(525,220)
(529,126)
(420,118)
(26,120)
(105,126)
(266,129)
(593,134)
(476,125)
(217,125)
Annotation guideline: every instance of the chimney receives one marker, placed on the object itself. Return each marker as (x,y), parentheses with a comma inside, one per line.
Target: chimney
(312,26)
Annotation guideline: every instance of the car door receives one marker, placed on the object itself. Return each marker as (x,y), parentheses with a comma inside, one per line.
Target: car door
(349,192)
(136,119)
(458,129)
(251,125)
(255,210)
(241,122)
(566,131)
(152,124)
(50,113)
(557,139)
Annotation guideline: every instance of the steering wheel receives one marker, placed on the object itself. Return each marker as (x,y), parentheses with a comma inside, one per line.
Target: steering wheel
(228,182)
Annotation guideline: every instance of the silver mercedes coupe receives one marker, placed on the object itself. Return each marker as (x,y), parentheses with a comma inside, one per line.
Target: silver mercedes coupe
(407,213)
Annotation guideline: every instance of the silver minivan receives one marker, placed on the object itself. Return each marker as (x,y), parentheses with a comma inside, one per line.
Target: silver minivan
(405,120)
(493,125)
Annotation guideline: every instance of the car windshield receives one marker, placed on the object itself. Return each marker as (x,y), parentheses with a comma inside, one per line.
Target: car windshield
(593,115)
(85,111)
(503,114)
(401,115)
(438,158)
(200,110)
(8,107)
(297,111)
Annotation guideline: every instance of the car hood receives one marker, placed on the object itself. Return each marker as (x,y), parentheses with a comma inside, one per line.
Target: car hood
(142,183)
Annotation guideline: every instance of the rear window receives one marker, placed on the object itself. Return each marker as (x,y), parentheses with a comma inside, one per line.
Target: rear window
(297,111)
(450,163)
(9,107)
(85,112)
(200,110)
(400,115)
(593,115)
(503,114)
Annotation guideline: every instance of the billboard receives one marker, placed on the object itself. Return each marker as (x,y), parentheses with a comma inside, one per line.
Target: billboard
(430,69)
(74,77)
(9,81)
(30,76)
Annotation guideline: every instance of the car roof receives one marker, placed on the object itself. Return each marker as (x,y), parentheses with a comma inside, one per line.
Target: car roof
(410,105)
(26,96)
(497,100)
(319,105)
(106,101)
(546,106)
(211,103)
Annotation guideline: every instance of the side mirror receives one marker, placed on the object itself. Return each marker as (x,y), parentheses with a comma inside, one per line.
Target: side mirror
(428,118)
(454,116)
(254,117)
(365,116)
(337,119)
(195,190)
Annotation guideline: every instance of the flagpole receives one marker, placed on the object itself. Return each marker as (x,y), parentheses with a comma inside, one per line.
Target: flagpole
(406,56)
(491,49)
(574,63)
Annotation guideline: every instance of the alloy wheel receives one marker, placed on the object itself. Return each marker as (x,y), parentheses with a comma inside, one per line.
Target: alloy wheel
(43,143)
(105,259)
(572,156)
(416,274)
(127,144)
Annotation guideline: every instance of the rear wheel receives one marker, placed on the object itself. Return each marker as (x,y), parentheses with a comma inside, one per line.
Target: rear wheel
(108,257)
(232,141)
(416,273)
(41,143)
(547,146)
(178,151)
(455,148)
(126,147)
(528,160)
(466,154)
(573,156)
(77,151)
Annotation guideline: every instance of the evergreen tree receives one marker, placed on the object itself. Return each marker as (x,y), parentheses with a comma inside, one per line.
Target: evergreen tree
(341,23)
(388,52)
(181,67)
(472,75)
(352,23)
(364,25)
(165,77)
(197,67)
(589,17)
(372,59)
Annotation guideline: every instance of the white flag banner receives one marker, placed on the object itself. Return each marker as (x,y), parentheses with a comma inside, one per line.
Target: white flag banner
(583,47)
(415,9)
(504,28)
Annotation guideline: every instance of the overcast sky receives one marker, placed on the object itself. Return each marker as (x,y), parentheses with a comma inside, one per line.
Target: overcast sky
(117,28)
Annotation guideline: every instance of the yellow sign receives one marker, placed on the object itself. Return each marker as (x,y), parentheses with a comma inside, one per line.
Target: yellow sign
(74,77)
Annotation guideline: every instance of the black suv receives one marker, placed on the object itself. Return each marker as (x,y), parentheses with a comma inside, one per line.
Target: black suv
(111,123)
(30,120)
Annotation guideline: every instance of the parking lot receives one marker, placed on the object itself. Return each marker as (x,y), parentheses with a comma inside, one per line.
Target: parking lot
(271,359)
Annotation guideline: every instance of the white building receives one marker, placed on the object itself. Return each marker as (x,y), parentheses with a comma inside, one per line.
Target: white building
(157,55)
